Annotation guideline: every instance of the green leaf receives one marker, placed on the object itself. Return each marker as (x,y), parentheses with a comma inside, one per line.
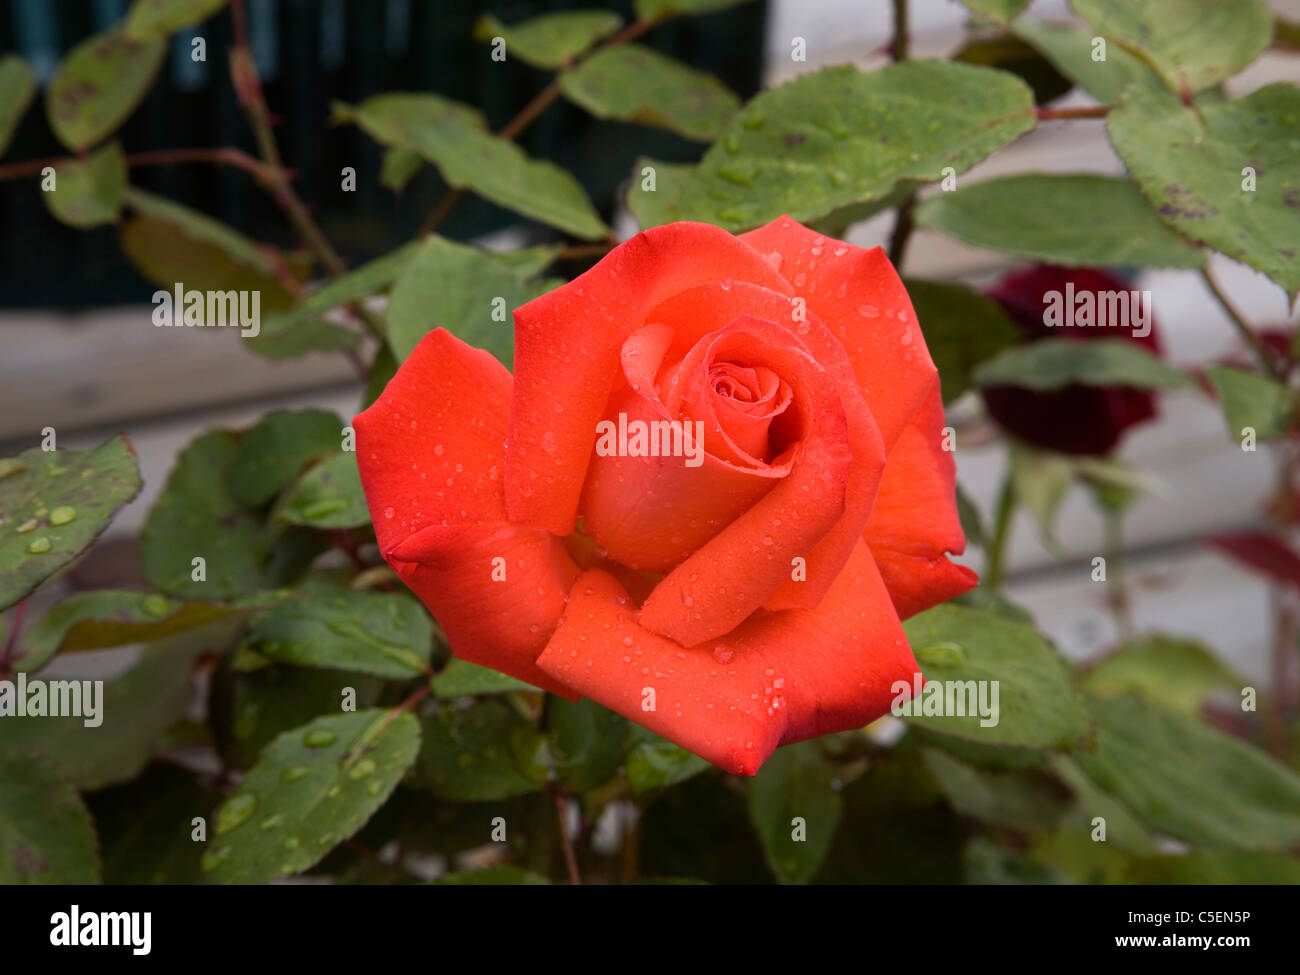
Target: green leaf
(1193,44)
(1062,219)
(398,167)
(1252,400)
(972,523)
(795,811)
(135,710)
(200,227)
(631,83)
(302,337)
(1021,800)
(1188,780)
(586,742)
(53,505)
(841,135)
(46,836)
(656,763)
(273,451)
(1041,480)
(655,203)
(1167,671)
(663,9)
(483,752)
(1003,11)
(158,18)
(460,678)
(1038,706)
(387,634)
(371,278)
(114,618)
(312,788)
(1123,828)
(962,328)
(459,288)
(455,139)
(327,496)
(99,84)
(1219,867)
(1189,163)
(17,89)
(1071,50)
(551,40)
(196,517)
(1051,364)
(494,876)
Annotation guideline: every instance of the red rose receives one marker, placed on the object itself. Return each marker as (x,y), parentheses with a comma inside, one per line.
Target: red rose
(799,423)
(1077,419)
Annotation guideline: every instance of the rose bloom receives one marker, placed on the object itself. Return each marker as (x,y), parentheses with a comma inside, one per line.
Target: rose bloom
(1087,420)
(744,595)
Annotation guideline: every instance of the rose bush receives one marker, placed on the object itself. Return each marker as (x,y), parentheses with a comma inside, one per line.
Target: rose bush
(751,601)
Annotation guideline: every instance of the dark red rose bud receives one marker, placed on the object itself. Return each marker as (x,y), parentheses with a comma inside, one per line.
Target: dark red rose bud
(1079,305)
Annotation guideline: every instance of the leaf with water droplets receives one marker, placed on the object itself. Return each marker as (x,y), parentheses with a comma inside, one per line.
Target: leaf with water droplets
(654,189)
(551,40)
(656,763)
(327,496)
(46,835)
(344,768)
(387,634)
(840,136)
(1037,705)
(92,484)
(795,810)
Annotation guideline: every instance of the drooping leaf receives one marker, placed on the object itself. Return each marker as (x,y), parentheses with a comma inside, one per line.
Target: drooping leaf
(17,89)
(656,763)
(484,752)
(1195,165)
(328,495)
(1077,55)
(1051,364)
(551,40)
(387,634)
(455,139)
(840,136)
(1193,44)
(1188,780)
(53,505)
(470,292)
(312,788)
(632,83)
(1252,400)
(795,811)
(158,18)
(962,328)
(1168,671)
(460,678)
(98,84)
(273,451)
(586,742)
(46,836)
(1062,219)
(1022,800)
(1037,705)
(654,189)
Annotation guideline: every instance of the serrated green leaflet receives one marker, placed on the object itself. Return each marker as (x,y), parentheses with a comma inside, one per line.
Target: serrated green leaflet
(276,448)
(794,811)
(1169,672)
(312,788)
(1022,800)
(653,192)
(1066,219)
(840,136)
(1224,173)
(1076,53)
(328,495)
(53,505)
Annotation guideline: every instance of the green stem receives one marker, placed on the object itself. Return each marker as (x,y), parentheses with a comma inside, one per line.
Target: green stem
(997,550)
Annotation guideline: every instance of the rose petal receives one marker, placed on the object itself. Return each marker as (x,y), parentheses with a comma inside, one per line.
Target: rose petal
(780,678)
(431,455)
(858,294)
(567,346)
(915,520)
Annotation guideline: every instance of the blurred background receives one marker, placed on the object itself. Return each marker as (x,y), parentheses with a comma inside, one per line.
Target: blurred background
(78,351)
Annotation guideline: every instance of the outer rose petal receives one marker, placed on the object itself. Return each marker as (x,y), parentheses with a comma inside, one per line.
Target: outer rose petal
(431,452)
(567,347)
(915,520)
(780,678)
(859,295)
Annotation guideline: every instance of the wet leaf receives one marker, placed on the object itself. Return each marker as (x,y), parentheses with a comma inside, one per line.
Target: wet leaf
(483,752)
(327,496)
